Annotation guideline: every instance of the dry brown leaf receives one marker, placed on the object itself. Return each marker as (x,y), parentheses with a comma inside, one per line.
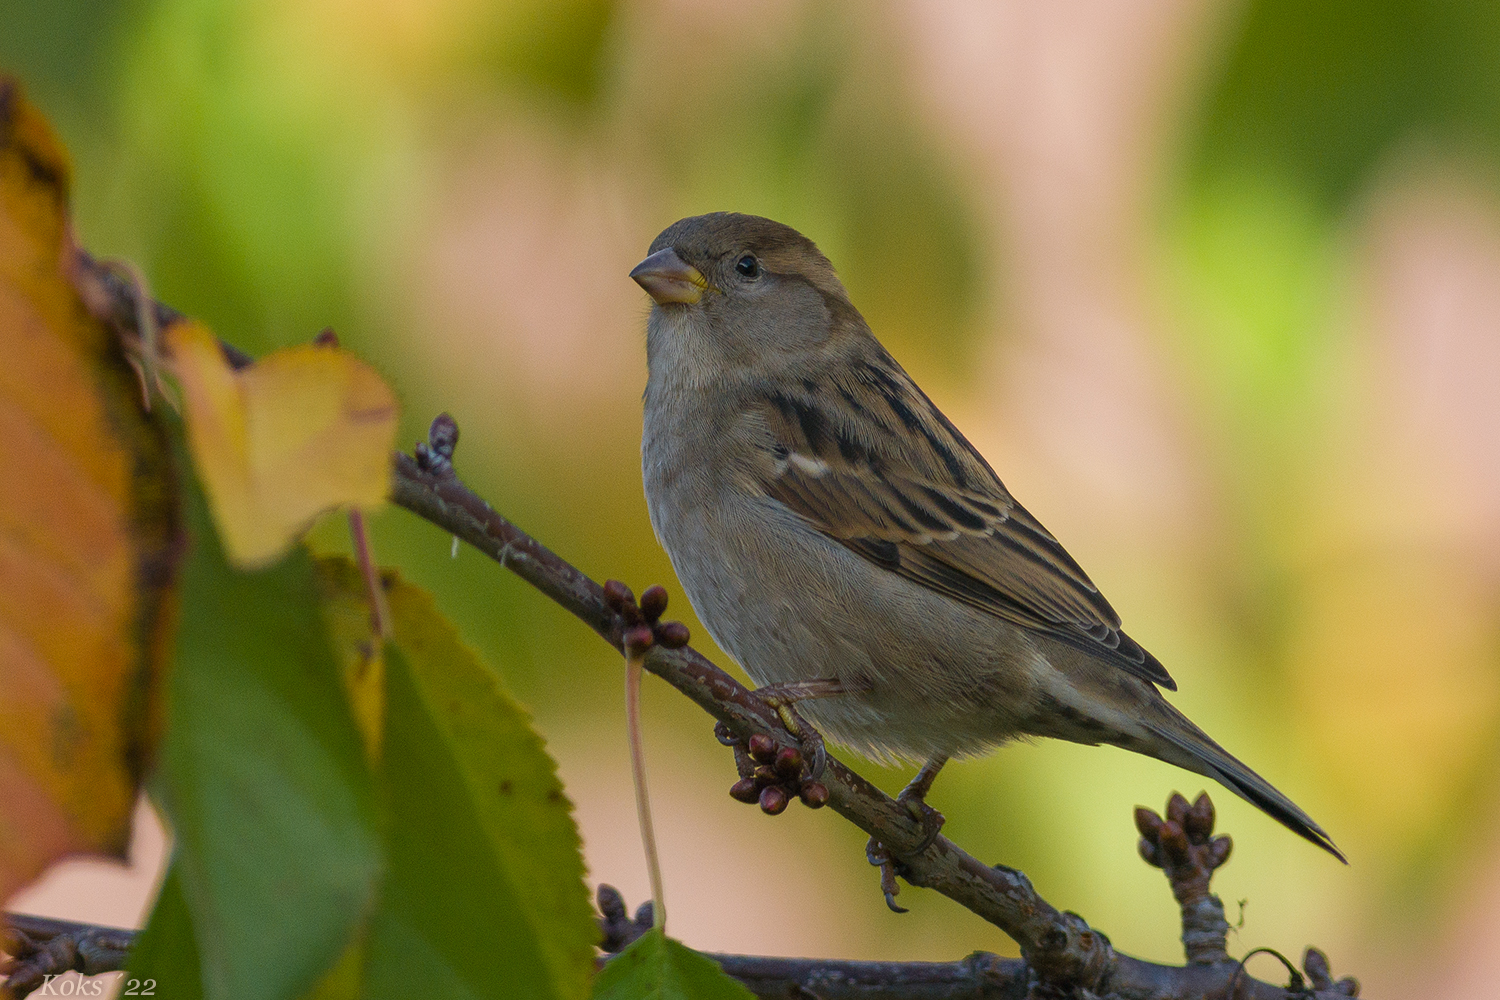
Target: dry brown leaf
(89,536)
(299,432)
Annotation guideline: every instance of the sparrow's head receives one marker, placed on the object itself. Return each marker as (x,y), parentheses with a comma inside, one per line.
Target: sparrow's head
(740,293)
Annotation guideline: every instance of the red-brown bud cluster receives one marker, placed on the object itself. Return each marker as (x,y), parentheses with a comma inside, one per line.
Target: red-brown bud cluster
(771,775)
(638,639)
(643,627)
(814,794)
(1185,838)
(673,635)
(762,748)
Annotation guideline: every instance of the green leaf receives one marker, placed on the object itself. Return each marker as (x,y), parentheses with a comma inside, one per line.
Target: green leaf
(164,961)
(263,779)
(166,953)
(655,967)
(484,894)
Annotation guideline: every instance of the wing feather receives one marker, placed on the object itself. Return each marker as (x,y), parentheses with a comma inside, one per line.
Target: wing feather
(871,462)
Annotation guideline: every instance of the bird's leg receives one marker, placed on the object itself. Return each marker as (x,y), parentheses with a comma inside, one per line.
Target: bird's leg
(770,775)
(782,698)
(914,798)
(777,695)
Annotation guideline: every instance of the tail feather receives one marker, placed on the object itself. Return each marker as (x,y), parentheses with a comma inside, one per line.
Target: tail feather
(1199,753)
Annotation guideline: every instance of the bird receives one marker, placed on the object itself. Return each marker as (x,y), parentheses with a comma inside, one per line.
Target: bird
(849,548)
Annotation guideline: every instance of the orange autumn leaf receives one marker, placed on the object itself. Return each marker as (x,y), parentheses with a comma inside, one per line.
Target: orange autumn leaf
(278,442)
(89,536)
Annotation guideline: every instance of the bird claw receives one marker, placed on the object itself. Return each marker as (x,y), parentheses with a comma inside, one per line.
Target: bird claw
(814,751)
(810,739)
(880,856)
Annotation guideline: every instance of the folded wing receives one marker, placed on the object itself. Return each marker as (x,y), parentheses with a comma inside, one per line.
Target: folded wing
(872,463)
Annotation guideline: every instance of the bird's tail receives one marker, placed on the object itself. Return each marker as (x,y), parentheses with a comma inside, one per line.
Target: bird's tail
(1187,746)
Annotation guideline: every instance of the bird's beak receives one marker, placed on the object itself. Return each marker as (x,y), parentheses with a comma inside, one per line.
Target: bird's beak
(666,277)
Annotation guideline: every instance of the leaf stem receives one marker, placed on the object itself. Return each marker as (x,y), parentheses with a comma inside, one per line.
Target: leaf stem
(380,613)
(634,666)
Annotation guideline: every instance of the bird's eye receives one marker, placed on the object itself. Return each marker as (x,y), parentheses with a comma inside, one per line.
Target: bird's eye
(748,266)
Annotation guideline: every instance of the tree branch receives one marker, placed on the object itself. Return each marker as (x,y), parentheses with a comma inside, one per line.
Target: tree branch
(41,948)
(1060,949)
(981,976)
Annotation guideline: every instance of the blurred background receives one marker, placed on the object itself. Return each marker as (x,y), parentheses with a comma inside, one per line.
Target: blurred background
(1215,287)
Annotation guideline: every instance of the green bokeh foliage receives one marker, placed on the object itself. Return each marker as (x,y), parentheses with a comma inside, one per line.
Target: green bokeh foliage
(262,777)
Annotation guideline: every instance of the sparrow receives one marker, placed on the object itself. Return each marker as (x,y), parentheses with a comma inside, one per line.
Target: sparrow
(852,551)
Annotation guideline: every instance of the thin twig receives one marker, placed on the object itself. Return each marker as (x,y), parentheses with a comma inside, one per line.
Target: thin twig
(43,948)
(146,328)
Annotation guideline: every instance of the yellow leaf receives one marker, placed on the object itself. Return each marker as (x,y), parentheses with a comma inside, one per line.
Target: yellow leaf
(90,535)
(280,441)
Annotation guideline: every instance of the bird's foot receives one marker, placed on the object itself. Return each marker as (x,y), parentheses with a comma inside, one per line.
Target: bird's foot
(913,799)
(783,699)
(773,775)
(641,624)
(930,819)
(880,856)
(813,750)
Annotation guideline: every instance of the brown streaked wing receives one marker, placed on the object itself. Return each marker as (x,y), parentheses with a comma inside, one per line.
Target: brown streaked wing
(875,465)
